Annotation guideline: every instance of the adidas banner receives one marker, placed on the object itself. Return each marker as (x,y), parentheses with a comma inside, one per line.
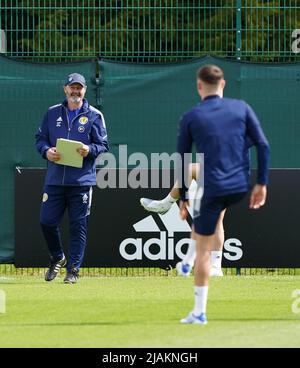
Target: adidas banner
(122,234)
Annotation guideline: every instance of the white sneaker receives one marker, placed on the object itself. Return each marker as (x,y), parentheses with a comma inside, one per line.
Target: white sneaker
(216,272)
(183,269)
(194,320)
(151,205)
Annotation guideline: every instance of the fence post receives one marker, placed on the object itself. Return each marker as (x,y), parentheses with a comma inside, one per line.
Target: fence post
(238,53)
(238,29)
(99,82)
(2,42)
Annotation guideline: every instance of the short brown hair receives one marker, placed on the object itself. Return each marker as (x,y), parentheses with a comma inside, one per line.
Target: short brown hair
(210,74)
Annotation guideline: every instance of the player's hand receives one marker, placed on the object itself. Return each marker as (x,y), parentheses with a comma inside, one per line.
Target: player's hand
(52,154)
(84,151)
(184,213)
(258,196)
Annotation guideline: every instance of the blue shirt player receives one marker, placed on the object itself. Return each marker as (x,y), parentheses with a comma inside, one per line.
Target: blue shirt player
(222,129)
(69,187)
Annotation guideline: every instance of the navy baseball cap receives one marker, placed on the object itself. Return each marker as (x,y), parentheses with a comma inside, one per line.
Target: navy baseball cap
(75,78)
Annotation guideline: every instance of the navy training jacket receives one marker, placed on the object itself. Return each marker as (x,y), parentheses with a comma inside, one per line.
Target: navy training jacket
(87,127)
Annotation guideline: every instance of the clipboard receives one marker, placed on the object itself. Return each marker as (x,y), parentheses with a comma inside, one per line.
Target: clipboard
(68,151)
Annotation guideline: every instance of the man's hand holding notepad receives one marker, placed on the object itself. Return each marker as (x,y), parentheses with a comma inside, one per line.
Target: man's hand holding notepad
(68,152)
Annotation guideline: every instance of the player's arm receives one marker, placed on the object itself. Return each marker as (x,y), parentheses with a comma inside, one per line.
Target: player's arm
(42,137)
(184,148)
(99,142)
(257,136)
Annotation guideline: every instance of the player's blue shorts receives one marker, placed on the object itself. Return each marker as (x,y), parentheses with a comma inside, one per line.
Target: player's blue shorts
(205,221)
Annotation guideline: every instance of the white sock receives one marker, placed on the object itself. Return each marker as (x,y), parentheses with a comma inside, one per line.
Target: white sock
(216,259)
(201,293)
(190,256)
(169,199)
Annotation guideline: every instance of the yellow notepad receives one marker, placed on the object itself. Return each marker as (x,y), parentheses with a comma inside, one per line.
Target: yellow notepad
(68,151)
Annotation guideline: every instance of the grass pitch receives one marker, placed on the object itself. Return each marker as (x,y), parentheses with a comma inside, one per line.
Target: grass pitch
(145,312)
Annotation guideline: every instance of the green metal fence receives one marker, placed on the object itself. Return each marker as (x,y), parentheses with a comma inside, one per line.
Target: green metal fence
(10,270)
(149,30)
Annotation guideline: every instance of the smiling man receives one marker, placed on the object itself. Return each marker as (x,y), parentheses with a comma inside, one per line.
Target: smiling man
(69,187)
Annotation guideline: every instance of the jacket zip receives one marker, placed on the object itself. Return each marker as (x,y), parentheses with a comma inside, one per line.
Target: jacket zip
(68,137)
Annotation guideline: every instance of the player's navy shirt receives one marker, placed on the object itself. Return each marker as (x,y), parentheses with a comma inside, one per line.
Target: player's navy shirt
(223,129)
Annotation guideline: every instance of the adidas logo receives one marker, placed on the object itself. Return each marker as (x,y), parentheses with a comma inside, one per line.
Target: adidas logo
(85,199)
(58,122)
(162,247)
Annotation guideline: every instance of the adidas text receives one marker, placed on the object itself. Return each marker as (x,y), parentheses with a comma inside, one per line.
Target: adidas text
(164,248)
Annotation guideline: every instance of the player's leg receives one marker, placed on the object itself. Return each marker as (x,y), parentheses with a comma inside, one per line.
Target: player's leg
(202,273)
(185,267)
(163,206)
(52,210)
(79,204)
(217,249)
(212,212)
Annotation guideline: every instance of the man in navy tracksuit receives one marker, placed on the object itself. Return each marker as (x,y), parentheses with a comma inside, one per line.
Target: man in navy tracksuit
(69,187)
(223,130)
